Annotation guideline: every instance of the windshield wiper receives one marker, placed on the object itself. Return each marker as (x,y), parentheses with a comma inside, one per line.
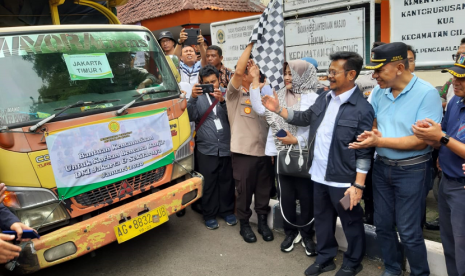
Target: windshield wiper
(147,92)
(63,109)
(89,103)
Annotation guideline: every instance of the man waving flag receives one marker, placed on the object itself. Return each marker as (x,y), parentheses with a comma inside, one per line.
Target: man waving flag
(268,36)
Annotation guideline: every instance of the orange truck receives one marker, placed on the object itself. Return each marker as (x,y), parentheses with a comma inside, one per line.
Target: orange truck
(95,142)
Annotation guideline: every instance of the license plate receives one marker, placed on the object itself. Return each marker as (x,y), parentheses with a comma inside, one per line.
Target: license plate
(141,224)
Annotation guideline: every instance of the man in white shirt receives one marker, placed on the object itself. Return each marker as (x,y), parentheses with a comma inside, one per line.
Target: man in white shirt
(336,119)
(189,67)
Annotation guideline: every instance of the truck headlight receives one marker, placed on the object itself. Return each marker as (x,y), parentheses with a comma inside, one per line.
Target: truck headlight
(184,159)
(21,198)
(43,216)
(35,207)
(182,167)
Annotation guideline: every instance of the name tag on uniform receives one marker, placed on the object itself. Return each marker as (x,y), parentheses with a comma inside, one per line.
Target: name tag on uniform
(218,124)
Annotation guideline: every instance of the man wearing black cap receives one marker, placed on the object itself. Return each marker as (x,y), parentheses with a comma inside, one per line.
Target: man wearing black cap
(167,42)
(447,91)
(449,137)
(403,164)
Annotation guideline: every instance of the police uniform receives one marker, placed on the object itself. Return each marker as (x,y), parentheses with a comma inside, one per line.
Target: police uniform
(252,169)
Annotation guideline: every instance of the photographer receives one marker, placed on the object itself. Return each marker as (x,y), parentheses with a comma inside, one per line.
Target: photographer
(189,66)
(213,138)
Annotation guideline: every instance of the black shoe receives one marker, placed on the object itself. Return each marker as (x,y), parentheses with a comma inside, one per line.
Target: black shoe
(263,228)
(310,246)
(349,271)
(316,269)
(246,232)
(432,225)
(288,244)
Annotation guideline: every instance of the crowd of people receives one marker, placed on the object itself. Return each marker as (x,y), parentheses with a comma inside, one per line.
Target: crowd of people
(368,136)
(361,141)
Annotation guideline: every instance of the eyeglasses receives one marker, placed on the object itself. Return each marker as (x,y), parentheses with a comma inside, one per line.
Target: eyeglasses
(332,73)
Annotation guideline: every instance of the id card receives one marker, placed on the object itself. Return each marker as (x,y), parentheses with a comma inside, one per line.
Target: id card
(218,124)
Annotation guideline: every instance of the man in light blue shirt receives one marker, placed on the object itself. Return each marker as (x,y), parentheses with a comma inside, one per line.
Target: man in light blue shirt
(403,164)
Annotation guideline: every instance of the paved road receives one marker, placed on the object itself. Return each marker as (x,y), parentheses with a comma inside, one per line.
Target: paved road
(183,246)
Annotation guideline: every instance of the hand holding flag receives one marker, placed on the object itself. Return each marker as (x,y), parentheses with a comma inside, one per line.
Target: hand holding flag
(268,36)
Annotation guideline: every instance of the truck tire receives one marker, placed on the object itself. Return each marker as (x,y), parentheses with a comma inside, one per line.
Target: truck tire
(181,213)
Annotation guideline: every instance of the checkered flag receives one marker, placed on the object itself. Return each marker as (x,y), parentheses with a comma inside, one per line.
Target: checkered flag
(268,36)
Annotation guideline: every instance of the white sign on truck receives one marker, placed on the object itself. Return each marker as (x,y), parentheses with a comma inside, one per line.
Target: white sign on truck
(320,36)
(233,37)
(433,28)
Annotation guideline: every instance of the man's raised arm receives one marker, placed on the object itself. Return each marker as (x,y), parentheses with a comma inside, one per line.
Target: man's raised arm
(241,66)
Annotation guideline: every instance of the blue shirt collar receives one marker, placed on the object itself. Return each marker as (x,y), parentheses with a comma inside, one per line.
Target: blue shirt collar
(406,89)
(344,97)
(460,102)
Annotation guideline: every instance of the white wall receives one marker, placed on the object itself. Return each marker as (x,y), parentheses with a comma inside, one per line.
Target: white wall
(435,77)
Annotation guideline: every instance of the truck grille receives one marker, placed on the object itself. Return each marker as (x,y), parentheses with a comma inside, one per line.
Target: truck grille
(108,194)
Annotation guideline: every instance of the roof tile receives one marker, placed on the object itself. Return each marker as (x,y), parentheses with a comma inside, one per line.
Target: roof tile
(138,10)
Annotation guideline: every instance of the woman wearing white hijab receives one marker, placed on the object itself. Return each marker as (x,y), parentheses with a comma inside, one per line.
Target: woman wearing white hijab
(298,94)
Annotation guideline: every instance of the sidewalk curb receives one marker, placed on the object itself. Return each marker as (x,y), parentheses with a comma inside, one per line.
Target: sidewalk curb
(436,260)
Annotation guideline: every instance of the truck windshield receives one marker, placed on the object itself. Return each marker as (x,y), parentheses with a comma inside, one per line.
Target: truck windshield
(44,72)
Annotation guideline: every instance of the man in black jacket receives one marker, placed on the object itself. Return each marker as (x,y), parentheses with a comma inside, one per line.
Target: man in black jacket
(336,119)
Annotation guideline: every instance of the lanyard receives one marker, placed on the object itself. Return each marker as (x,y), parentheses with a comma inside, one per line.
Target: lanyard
(210,101)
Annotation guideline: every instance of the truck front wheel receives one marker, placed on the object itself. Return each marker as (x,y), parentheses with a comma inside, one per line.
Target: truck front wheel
(181,213)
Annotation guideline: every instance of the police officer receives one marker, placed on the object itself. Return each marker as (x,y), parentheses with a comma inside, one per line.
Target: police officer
(252,169)
(449,137)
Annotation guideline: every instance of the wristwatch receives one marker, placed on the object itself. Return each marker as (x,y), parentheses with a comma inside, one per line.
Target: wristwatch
(280,110)
(358,186)
(444,140)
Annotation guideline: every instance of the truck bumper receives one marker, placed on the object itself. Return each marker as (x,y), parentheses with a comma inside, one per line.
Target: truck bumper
(98,231)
